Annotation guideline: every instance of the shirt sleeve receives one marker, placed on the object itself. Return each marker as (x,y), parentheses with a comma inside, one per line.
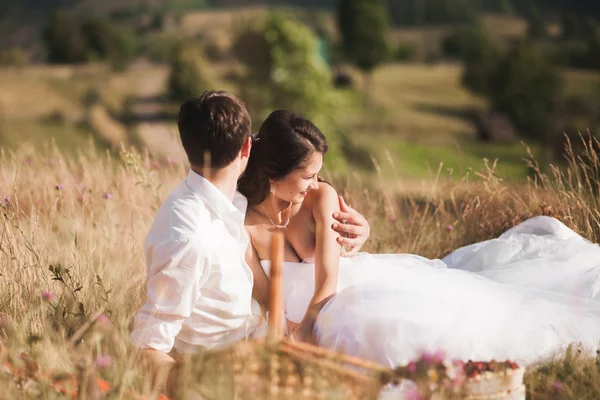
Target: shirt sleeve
(176,272)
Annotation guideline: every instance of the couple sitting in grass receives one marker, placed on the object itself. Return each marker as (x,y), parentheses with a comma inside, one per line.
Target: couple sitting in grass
(524,295)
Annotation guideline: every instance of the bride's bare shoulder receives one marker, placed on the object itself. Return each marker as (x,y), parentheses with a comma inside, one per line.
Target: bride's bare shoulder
(325,198)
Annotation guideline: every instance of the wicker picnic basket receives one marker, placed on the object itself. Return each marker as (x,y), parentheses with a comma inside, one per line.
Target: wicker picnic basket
(279,368)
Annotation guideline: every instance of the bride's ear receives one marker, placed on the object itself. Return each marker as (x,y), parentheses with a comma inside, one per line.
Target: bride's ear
(246,147)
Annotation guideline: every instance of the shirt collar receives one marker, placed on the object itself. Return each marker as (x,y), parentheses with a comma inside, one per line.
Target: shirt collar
(215,199)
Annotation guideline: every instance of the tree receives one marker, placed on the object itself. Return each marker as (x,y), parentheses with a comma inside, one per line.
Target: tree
(284,70)
(526,87)
(481,58)
(188,76)
(363,25)
(463,42)
(64,39)
(107,42)
(536,27)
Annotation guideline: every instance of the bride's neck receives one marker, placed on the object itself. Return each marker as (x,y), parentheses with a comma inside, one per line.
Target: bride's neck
(278,208)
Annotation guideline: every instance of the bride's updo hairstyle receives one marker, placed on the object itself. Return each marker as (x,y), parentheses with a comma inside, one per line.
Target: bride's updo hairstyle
(285,142)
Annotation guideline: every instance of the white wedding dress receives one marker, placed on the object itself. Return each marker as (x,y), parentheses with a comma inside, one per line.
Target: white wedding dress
(524,296)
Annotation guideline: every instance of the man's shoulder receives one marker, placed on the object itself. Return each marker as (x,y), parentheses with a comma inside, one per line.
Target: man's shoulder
(182,215)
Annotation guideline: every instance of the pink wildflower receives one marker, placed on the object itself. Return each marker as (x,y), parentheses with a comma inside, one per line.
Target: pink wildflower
(5,200)
(412,367)
(413,394)
(103,320)
(107,195)
(439,356)
(428,357)
(103,361)
(450,228)
(48,295)
(59,187)
(558,386)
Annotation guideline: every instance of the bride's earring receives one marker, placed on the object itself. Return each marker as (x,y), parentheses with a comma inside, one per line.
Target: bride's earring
(272,190)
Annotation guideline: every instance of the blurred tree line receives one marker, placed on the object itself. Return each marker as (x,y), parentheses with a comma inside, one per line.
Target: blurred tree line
(70,39)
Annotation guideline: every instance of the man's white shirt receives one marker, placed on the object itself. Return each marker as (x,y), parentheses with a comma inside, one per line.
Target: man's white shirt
(199,289)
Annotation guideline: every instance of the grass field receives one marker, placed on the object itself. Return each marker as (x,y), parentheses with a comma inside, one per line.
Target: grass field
(72,245)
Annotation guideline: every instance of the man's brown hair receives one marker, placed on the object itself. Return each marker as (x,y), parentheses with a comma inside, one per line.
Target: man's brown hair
(215,124)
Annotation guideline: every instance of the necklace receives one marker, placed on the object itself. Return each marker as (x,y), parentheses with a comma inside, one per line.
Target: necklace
(282,226)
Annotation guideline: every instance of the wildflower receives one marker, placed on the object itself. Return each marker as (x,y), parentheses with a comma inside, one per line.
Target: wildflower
(48,295)
(103,320)
(449,228)
(59,187)
(412,367)
(107,196)
(558,386)
(103,361)
(428,357)
(5,200)
(439,356)
(433,375)
(413,394)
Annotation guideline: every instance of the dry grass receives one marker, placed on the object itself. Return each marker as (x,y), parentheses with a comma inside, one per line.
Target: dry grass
(87,216)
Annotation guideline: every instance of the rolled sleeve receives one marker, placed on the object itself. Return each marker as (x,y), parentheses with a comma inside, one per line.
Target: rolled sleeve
(177,271)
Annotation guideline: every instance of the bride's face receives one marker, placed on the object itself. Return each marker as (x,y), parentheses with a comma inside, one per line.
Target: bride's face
(295,186)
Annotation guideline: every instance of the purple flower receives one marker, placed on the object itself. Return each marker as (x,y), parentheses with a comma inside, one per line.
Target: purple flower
(449,228)
(103,320)
(428,357)
(5,200)
(413,394)
(107,195)
(558,386)
(48,295)
(412,367)
(103,361)
(439,356)
(59,187)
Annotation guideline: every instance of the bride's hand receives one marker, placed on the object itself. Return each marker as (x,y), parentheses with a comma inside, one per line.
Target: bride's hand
(291,327)
(355,232)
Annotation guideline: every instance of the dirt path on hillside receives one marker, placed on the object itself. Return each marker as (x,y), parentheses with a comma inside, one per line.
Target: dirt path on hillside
(159,136)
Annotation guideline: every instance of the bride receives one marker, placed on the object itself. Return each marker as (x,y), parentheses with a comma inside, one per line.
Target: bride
(524,296)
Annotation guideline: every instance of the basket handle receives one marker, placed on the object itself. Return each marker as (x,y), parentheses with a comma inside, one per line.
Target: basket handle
(276,295)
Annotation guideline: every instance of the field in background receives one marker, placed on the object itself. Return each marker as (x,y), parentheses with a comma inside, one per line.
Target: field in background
(419,113)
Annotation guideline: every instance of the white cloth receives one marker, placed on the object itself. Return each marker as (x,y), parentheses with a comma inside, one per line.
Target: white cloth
(533,294)
(199,287)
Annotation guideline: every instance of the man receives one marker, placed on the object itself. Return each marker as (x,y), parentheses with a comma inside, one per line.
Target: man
(199,287)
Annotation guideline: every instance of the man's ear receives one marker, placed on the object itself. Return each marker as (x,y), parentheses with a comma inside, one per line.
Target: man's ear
(246,147)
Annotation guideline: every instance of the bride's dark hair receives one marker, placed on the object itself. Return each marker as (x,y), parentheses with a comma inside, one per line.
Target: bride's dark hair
(285,142)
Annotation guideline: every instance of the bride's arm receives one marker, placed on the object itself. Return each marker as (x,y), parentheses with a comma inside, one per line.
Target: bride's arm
(327,257)
(260,290)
